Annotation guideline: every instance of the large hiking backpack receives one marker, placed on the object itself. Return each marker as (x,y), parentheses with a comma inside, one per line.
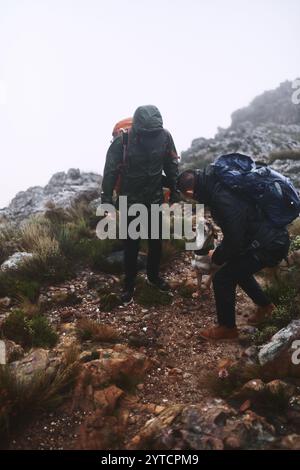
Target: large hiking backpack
(272,192)
(122,128)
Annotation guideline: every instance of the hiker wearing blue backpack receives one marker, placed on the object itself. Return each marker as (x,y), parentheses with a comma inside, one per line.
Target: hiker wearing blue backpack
(253,206)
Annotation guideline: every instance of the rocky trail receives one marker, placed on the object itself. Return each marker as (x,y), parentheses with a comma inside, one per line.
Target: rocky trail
(165,335)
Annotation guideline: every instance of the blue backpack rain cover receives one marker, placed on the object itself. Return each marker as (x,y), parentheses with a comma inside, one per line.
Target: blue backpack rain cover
(272,192)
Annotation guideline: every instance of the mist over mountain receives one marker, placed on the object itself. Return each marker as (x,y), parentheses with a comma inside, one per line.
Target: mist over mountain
(268,129)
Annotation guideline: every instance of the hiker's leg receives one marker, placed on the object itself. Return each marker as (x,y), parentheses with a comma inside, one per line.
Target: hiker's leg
(237,272)
(251,287)
(224,286)
(153,260)
(131,250)
(154,251)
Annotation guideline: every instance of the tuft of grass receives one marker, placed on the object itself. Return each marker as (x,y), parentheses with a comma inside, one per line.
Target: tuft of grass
(150,296)
(89,330)
(109,301)
(9,240)
(20,401)
(29,332)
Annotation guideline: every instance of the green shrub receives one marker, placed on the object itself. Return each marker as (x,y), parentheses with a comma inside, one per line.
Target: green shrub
(281,291)
(29,332)
(12,286)
(263,336)
(295,243)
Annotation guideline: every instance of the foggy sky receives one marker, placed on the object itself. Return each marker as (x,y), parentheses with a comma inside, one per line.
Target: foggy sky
(70,69)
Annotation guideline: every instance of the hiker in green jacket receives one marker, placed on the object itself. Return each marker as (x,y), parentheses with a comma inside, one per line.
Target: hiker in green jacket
(150,152)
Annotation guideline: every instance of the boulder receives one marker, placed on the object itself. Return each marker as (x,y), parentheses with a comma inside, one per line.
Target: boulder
(119,366)
(63,190)
(15,261)
(279,387)
(252,389)
(213,425)
(276,357)
(36,361)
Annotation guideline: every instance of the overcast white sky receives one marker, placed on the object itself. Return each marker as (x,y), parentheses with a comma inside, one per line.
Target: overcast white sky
(69,69)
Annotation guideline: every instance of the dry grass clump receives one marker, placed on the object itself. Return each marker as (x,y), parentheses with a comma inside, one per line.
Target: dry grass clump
(89,330)
(21,400)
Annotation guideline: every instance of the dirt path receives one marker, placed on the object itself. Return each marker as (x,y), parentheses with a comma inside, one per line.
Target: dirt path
(168,335)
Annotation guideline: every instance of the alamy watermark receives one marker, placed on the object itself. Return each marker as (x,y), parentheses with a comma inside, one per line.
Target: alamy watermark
(159,221)
(296,353)
(296,94)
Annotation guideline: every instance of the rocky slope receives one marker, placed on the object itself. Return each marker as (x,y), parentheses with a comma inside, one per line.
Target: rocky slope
(268,129)
(62,190)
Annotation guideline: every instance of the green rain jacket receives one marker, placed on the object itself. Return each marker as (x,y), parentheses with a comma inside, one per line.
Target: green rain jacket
(150,153)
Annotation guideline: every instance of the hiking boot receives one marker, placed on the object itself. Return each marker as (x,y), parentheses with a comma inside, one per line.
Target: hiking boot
(127,297)
(159,283)
(219,333)
(261,314)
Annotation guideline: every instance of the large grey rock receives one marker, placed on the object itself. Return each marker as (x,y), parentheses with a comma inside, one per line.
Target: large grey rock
(280,342)
(62,190)
(35,362)
(211,425)
(15,261)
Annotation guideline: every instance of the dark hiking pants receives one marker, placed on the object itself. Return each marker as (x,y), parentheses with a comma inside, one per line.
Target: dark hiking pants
(240,272)
(131,250)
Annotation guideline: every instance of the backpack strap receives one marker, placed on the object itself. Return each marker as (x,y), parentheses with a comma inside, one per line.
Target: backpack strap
(125,142)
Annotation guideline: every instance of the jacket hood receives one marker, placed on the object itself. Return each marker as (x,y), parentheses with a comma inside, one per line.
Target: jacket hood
(147,119)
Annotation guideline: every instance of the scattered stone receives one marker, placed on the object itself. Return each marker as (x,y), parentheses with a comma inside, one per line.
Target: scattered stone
(252,389)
